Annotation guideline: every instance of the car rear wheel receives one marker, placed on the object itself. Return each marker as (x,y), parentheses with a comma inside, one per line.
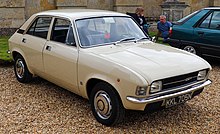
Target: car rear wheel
(106,104)
(21,71)
(190,49)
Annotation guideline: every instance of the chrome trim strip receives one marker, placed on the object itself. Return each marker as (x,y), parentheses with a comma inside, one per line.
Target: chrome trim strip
(146,100)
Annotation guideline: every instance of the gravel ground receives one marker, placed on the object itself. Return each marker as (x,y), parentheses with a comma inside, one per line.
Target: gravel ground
(42,107)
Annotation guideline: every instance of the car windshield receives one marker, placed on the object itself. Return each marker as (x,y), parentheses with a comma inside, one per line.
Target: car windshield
(108,30)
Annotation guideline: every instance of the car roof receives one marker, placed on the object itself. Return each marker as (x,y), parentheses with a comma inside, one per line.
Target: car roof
(72,14)
(80,13)
(212,8)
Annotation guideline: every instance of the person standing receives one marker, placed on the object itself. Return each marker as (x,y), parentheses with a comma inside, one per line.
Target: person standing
(163,27)
(139,18)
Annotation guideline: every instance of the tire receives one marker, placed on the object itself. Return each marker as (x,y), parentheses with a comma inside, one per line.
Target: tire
(106,104)
(190,49)
(21,71)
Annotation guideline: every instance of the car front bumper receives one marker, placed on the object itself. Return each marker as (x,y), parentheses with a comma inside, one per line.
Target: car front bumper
(164,97)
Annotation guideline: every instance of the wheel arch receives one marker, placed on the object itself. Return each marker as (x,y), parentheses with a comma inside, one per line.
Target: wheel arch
(193,44)
(93,81)
(16,53)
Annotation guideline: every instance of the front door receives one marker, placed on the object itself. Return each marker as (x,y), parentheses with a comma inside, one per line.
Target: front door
(60,56)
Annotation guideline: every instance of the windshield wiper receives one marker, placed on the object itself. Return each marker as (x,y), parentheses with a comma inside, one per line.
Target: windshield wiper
(124,39)
(143,38)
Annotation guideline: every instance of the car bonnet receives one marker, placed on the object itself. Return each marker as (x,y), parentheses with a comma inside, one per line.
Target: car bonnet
(155,61)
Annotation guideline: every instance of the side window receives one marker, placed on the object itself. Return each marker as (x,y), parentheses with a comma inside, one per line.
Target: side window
(205,23)
(215,22)
(62,32)
(40,27)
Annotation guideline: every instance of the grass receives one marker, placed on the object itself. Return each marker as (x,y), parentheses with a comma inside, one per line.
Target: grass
(4,56)
(152,33)
(160,40)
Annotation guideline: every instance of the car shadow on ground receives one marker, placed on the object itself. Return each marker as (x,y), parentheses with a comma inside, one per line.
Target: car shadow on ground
(162,117)
(67,98)
(5,63)
(132,119)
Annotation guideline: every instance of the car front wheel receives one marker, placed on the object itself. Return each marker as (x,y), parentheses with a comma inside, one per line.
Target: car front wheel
(21,71)
(106,104)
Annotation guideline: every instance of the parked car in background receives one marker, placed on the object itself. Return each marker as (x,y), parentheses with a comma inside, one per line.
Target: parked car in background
(198,33)
(105,57)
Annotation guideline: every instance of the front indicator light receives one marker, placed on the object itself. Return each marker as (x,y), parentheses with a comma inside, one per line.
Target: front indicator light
(140,91)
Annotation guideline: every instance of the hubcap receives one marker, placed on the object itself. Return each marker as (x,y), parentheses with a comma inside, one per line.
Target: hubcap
(190,49)
(19,67)
(102,103)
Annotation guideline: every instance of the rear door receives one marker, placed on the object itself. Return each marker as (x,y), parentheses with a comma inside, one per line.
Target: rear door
(34,41)
(207,35)
(60,55)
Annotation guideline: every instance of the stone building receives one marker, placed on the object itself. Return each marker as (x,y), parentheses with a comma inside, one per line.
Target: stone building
(14,12)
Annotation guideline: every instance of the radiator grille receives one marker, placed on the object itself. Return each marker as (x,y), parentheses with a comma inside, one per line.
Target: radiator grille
(181,80)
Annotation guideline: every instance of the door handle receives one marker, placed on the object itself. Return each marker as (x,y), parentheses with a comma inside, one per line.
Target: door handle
(48,48)
(24,40)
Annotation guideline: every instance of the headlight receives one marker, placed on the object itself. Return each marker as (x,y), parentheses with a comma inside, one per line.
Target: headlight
(156,86)
(141,91)
(202,75)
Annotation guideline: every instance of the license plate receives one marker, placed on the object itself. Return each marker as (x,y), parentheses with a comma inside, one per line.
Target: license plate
(177,100)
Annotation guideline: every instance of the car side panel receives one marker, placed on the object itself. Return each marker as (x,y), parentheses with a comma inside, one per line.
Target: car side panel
(183,33)
(13,43)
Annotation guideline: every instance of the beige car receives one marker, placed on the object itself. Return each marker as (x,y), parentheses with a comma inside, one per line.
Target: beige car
(107,58)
